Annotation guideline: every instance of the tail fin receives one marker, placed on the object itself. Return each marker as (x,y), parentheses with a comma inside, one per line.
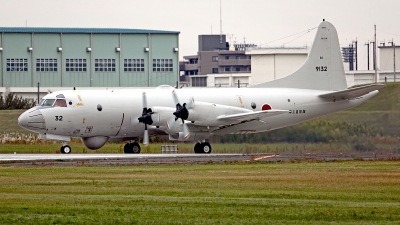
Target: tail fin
(323,69)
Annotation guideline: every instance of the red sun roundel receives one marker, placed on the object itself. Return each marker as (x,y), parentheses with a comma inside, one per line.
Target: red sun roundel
(265,107)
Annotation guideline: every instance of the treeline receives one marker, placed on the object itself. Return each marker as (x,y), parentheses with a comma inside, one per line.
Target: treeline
(311,131)
(12,101)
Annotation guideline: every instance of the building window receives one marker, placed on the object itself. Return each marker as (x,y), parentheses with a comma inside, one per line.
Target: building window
(104,65)
(237,68)
(227,57)
(134,65)
(17,64)
(46,64)
(78,65)
(214,70)
(199,81)
(215,58)
(162,65)
(227,69)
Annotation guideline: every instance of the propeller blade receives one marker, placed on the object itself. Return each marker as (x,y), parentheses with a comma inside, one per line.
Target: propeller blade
(190,103)
(146,137)
(144,100)
(186,131)
(171,123)
(175,97)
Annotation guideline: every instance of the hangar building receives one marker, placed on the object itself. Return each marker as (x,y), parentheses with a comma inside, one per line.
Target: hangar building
(86,57)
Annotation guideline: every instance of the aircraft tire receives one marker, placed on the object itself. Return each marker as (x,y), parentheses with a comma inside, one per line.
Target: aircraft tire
(205,148)
(197,148)
(65,149)
(132,148)
(135,148)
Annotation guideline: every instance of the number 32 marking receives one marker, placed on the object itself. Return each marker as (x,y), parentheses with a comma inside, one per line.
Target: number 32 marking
(59,118)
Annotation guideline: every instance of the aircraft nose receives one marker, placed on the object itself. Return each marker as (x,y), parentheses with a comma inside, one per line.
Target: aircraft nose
(32,120)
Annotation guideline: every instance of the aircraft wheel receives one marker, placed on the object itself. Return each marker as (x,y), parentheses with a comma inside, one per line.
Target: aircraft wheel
(132,148)
(197,148)
(205,148)
(65,149)
(135,148)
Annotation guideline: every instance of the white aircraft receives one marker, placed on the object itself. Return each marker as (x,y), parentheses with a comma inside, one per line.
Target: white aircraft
(193,114)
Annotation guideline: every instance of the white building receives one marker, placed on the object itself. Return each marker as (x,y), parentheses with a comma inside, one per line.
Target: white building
(272,63)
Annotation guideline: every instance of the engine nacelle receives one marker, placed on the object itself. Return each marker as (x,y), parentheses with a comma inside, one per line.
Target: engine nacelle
(205,114)
(202,113)
(194,136)
(94,143)
(161,115)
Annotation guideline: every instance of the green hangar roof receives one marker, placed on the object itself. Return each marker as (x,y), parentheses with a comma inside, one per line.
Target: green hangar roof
(82,30)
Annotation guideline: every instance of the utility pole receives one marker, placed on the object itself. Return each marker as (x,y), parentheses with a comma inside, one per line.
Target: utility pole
(367,44)
(394,60)
(373,55)
(356,55)
(38,99)
(375,67)
(220,21)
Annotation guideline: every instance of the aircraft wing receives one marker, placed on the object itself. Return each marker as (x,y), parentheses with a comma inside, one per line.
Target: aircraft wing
(352,92)
(251,115)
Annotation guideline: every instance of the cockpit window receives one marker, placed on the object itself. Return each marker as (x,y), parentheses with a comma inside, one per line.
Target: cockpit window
(60,103)
(41,101)
(47,102)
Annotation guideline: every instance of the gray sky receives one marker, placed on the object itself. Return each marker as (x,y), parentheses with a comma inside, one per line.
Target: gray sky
(261,22)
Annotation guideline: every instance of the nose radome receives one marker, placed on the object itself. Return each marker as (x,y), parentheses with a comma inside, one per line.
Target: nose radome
(32,120)
(23,120)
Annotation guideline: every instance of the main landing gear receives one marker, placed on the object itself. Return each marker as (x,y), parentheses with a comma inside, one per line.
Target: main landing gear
(132,148)
(202,148)
(65,149)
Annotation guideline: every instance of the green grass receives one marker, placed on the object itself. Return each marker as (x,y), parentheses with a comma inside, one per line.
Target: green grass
(382,111)
(356,192)
(9,121)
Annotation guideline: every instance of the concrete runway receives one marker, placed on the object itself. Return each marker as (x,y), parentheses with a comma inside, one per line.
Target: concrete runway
(170,159)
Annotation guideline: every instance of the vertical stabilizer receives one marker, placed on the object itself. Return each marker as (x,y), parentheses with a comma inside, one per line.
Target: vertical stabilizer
(323,69)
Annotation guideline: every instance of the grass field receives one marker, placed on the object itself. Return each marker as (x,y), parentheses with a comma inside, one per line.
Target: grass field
(382,111)
(356,192)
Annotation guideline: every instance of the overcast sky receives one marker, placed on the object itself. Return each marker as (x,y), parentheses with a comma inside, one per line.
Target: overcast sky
(261,22)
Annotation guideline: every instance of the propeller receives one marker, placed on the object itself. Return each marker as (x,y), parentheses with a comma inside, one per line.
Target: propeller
(145,118)
(180,113)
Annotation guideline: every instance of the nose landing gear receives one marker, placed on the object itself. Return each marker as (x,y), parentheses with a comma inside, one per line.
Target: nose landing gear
(65,149)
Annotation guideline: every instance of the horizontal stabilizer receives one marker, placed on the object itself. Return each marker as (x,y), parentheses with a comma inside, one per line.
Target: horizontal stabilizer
(251,115)
(353,92)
